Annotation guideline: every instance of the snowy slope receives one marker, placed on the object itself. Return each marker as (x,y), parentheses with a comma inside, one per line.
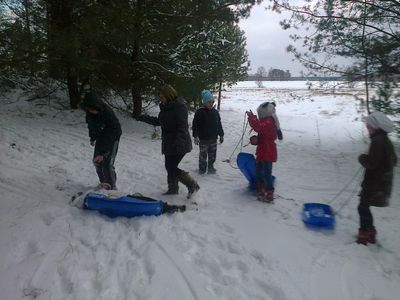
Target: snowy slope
(231,247)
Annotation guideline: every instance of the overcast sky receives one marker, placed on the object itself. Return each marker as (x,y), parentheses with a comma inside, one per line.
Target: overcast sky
(267,41)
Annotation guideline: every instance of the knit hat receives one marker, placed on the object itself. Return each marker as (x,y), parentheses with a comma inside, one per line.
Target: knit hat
(206,96)
(267,109)
(379,120)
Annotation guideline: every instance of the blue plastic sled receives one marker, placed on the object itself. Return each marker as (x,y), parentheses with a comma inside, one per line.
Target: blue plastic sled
(128,206)
(318,214)
(247,165)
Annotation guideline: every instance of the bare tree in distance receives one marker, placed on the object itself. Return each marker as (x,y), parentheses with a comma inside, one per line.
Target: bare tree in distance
(260,75)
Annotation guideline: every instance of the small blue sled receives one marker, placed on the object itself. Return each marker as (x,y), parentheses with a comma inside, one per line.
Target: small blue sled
(318,214)
(128,206)
(247,165)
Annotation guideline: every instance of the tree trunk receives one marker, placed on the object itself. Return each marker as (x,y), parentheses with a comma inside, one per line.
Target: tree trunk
(61,52)
(219,95)
(29,40)
(137,102)
(366,58)
(136,94)
(73,88)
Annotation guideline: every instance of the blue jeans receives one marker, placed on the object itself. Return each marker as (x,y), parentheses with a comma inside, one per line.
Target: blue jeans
(264,173)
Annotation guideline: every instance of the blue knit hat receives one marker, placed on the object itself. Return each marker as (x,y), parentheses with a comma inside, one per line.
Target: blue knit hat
(206,96)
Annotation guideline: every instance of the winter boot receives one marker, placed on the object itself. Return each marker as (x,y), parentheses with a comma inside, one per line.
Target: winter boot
(371,235)
(363,236)
(173,187)
(211,170)
(269,195)
(190,183)
(261,191)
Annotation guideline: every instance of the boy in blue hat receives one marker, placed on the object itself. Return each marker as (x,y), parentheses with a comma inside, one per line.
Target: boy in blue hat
(206,129)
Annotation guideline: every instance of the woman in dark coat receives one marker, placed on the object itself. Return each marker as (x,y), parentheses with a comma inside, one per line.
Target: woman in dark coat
(176,142)
(376,187)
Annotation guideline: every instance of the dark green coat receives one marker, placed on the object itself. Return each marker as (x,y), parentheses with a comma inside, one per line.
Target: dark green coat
(378,164)
(173,119)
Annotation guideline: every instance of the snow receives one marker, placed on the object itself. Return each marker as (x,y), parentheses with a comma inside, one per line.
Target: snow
(229,246)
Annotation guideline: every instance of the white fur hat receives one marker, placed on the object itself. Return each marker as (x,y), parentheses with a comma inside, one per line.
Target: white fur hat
(267,109)
(379,120)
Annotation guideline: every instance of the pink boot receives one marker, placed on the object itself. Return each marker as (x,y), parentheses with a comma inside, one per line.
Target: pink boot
(371,235)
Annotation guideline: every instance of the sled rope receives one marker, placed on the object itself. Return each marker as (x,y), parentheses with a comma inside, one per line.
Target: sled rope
(352,179)
(245,123)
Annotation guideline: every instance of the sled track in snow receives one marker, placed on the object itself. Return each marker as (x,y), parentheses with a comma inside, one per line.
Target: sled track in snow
(190,287)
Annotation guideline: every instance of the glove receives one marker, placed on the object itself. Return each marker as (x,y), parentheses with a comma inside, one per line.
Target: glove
(98,159)
(92,142)
(279,134)
(363,159)
(196,140)
(221,139)
(249,113)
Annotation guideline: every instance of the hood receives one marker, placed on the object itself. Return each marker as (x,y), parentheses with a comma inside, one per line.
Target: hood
(91,100)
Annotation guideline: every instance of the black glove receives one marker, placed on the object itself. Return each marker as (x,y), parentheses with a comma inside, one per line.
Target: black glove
(363,159)
(221,139)
(279,134)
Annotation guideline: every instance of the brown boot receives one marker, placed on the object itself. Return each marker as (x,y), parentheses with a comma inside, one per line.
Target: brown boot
(173,187)
(269,195)
(261,191)
(363,237)
(190,183)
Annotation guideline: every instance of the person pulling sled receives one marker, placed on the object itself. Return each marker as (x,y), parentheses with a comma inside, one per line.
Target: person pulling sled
(268,130)
(376,186)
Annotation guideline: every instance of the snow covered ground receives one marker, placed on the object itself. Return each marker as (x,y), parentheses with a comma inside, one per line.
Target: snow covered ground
(232,247)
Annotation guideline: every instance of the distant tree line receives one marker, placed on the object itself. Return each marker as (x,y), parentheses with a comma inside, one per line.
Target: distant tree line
(124,47)
(272,75)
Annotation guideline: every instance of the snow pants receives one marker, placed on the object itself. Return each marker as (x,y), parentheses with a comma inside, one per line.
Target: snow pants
(105,170)
(208,149)
(366,219)
(264,173)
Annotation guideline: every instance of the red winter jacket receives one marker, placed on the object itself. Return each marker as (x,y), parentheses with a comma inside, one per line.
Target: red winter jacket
(266,129)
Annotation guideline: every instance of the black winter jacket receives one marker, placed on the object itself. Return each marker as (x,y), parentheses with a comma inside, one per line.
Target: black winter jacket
(207,124)
(173,119)
(378,164)
(104,127)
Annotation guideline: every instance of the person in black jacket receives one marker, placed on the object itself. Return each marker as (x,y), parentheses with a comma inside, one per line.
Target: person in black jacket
(206,128)
(104,132)
(377,184)
(176,142)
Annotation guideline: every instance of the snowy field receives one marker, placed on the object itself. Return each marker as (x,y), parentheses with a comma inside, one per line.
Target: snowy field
(231,247)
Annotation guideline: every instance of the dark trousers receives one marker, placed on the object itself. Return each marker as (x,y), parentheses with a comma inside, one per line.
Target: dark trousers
(366,219)
(171,165)
(208,148)
(264,173)
(105,170)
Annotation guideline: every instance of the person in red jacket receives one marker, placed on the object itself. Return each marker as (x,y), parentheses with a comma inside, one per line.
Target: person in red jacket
(268,130)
